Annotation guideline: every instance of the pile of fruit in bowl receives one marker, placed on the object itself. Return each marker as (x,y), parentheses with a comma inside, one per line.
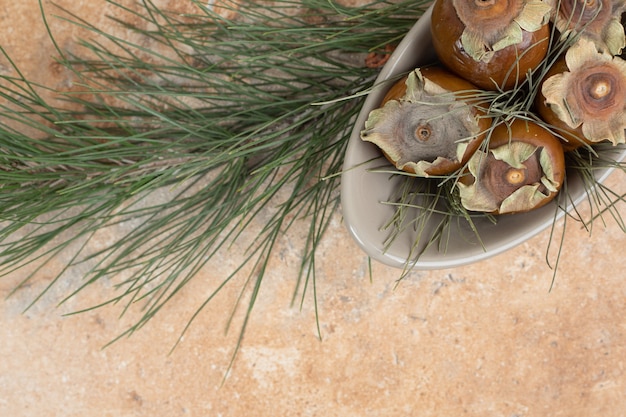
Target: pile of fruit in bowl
(516,85)
(486,112)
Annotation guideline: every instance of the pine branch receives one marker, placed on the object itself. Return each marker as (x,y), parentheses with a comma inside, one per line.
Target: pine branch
(185,142)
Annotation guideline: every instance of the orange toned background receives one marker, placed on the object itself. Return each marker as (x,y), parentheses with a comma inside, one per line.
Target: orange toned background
(488,339)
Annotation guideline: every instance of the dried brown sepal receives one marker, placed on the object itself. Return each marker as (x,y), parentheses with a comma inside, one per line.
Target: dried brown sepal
(596,20)
(491,43)
(584,96)
(522,170)
(424,128)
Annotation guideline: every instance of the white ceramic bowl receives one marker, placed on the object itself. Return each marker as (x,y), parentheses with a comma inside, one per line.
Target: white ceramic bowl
(362,190)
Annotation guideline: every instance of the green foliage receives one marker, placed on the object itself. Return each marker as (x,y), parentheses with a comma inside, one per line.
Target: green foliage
(233,117)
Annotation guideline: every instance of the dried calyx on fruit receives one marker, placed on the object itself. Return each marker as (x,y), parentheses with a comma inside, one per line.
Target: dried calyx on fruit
(583,96)
(492,43)
(429,123)
(597,20)
(523,169)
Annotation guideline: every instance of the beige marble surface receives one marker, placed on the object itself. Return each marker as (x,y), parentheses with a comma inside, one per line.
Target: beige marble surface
(488,339)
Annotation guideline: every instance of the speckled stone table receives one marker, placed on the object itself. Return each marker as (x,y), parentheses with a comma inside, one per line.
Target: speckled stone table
(489,339)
